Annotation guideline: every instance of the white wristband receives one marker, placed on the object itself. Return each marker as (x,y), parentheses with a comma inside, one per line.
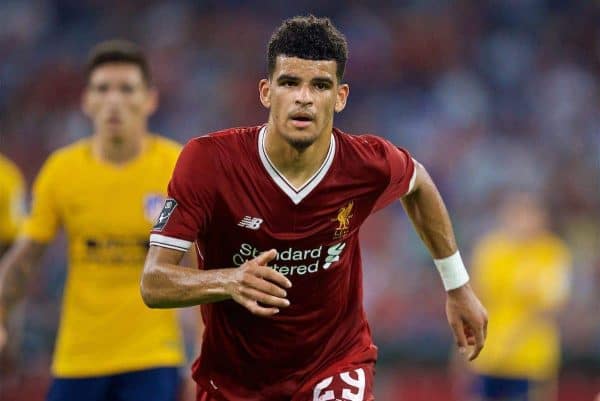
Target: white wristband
(452,270)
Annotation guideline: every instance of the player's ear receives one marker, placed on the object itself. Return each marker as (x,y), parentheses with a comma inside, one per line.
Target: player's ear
(342,96)
(152,100)
(264,91)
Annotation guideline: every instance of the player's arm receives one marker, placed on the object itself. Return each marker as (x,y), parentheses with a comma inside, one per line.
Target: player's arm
(16,268)
(254,285)
(426,209)
(19,263)
(186,216)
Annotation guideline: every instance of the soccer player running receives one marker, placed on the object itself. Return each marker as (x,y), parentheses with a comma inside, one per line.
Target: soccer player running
(275,211)
(105,191)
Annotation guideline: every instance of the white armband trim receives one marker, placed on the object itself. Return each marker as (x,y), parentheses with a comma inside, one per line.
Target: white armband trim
(452,271)
(170,242)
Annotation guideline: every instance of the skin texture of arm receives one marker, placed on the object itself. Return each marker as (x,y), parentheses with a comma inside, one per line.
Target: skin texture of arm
(426,209)
(16,267)
(165,284)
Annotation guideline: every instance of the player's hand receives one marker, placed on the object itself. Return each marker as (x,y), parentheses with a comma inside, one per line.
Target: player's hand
(468,319)
(259,288)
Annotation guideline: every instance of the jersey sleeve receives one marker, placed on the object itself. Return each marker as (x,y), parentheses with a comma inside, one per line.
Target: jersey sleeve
(401,173)
(12,200)
(43,220)
(191,195)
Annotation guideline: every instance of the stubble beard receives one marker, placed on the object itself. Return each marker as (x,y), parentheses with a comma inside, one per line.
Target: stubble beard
(117,140)
(300,143)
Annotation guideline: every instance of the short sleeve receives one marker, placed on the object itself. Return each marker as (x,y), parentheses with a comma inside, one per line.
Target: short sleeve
(188,209)
(43,220)
(12,200)
(401,173)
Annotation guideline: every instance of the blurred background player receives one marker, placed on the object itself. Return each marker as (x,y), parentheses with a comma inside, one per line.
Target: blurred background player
(521,270)
(12,192)
(104,191)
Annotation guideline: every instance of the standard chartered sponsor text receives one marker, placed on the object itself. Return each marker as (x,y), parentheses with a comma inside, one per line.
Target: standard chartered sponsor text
(289,261)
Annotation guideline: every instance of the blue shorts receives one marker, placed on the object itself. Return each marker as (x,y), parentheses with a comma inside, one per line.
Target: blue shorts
(160,384)
(498,388)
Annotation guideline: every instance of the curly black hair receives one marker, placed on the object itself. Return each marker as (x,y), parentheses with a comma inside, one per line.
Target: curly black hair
(310,38)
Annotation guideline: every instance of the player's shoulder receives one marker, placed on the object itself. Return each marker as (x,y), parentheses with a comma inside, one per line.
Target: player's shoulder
(363,144)
(8,168)
(368,154)
(223,142)
(230,135)
(164,144)
(234,133)
(69,155)
(165,147)
(552,244)
(7,164)
(64,161)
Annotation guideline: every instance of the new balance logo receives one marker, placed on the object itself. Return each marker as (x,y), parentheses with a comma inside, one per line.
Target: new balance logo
(252,223)
(333,254)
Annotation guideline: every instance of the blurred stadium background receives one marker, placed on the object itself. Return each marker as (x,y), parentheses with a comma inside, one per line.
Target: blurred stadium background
(489,95)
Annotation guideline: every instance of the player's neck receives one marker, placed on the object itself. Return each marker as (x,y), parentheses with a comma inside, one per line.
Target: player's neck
(297,166)
(118,151)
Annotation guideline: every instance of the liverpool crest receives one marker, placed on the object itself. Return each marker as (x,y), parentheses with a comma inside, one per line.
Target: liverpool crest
(343,219)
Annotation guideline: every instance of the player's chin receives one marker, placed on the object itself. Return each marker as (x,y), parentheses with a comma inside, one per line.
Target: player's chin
(115,133)
(300,140)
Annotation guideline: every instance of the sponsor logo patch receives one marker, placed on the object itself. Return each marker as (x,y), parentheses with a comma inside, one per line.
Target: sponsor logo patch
(292,261)
(253,223)
(165,214)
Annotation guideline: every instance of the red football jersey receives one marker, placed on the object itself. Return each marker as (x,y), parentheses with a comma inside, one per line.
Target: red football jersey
(227,196)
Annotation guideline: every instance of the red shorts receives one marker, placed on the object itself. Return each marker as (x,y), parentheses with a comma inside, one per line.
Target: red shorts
(339,383)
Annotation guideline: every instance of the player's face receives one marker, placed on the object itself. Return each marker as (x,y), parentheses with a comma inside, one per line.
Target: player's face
(524,215)
(302,96)
(118,100)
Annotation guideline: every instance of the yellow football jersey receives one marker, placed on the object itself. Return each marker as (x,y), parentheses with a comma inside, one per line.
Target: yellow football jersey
(106,211)
(11,199)
(522,284)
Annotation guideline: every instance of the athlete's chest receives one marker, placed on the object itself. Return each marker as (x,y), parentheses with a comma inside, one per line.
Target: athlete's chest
(255,200)
(112,201)
(252,207)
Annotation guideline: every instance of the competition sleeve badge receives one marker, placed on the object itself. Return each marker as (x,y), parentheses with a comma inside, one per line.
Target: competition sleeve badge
(343,219)
(163,217)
